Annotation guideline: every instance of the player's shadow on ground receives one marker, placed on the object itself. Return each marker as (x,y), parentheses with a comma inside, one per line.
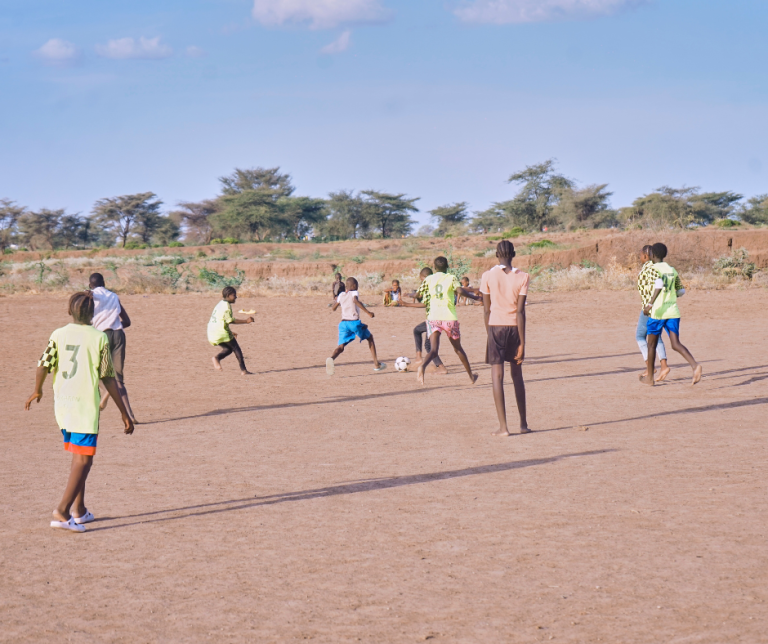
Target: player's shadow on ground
(353,487)
(675,412)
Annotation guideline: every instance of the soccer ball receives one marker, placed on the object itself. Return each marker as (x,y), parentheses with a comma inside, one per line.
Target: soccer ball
(401,364)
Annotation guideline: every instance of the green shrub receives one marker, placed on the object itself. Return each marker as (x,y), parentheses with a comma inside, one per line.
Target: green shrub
(214,280)
(132,245)
(175,244)
(543,243)
(727,223)
(735,265)
(358,259)
(509,234)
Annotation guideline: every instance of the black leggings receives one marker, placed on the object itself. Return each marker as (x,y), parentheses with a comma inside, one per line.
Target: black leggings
(417,331)
(232,347)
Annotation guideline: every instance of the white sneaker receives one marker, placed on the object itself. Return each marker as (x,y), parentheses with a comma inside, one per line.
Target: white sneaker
(68,525)
(86,518)
(381,367)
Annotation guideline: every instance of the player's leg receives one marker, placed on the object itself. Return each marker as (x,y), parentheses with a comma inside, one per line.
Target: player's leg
(678,346)
(661,351)
(647,378)
(456,344)
(437,363)
(418,331)
(641,334)
(516,371)
(118,362)
(434,341)
(240,359)
(78,473)
(226,349)
(372,347)
(497,380)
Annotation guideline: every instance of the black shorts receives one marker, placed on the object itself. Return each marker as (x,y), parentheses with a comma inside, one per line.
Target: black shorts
(116,339)
(503,343)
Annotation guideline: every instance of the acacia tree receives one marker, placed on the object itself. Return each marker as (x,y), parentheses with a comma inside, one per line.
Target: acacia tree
(9,217)
(41,229)
(346,215)
(129,214)
(389,213)
(449,216)
(585,208)
(755,211)
(195,219)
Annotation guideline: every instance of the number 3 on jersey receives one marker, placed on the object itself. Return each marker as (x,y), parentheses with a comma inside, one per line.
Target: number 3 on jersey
(73,348)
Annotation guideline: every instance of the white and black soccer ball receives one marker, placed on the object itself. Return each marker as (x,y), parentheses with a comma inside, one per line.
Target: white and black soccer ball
(401,364)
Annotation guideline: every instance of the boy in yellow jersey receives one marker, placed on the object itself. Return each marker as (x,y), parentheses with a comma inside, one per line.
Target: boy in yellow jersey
(441,287)
(79,357)
(219,334)
(664,314)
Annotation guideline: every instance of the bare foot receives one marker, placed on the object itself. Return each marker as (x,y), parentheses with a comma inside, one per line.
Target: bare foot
(246,373)
(216,364)
(696,375)
(442,370)
(420,375)
(501,432)
(663,374)
(474,378)
(525,430)
(644,379)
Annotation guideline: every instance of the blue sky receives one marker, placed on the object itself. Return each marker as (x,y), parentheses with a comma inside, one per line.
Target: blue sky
(438,99)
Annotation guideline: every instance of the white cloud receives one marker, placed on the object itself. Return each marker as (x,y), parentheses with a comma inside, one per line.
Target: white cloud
(320,14)
(339,45)
(58,52)
(517,11)
(196,52)
(123,48)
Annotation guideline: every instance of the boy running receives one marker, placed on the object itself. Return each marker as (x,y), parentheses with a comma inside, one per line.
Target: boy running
(646,281)
(79,357)
(351,326)
(442,287)
(422,328)
(664,314)
(219,334)
(504,290)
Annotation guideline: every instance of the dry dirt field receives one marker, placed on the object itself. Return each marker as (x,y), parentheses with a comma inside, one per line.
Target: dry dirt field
(292,506)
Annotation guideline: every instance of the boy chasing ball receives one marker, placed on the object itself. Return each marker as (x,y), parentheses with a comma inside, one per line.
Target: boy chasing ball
(219,334)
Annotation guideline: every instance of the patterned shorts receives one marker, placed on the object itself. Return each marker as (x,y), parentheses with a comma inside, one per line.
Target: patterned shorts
(449,327)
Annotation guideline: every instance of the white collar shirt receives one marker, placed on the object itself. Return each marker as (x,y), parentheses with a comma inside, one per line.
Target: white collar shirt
(106,310)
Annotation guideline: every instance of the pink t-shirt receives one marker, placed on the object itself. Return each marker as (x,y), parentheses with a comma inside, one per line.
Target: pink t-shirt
(504,289)
(349,310)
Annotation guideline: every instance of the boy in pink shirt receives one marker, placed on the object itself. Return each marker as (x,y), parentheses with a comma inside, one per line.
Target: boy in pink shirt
(504,290)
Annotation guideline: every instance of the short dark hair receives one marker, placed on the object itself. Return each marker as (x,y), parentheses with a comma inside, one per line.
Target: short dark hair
(441,264)
(659,250)
(396,282)
(227,291)
(351,284)
(337,275)
(648,250)
(425,272)
(81,307)
(464,278)
(96,280)
(505,248)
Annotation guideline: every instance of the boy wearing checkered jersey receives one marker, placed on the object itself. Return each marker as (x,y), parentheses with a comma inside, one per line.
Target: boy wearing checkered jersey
(79,358)
(646,282)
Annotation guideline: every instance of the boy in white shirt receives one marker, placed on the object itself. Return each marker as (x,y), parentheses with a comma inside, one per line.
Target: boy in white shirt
(351,326)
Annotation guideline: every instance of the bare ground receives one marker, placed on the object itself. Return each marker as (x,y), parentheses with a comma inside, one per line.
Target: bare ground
(289,505)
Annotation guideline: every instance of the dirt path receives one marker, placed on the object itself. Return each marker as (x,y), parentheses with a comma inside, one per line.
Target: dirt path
(290,506)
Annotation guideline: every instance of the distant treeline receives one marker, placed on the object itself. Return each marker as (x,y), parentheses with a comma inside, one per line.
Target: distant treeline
(260,205)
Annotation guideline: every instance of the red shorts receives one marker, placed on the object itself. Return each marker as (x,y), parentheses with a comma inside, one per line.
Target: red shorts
(449,327)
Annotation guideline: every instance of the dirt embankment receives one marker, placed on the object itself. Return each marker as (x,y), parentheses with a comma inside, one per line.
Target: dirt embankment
(688,250)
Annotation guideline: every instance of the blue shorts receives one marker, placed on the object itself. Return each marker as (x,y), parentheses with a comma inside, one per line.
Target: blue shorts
(348,329)
(79,443)
(655,327)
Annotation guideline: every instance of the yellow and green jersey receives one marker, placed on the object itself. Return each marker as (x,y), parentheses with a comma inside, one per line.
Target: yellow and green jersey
(218,325)
(665,306)
(439,289)
(79,357)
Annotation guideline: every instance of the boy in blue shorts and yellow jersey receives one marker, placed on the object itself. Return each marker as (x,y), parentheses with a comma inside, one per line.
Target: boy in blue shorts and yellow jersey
(665,314)
(79,357)
(351,326)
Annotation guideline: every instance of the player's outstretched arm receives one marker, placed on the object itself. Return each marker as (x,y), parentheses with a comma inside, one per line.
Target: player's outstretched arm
(110,384)
(362,306)
(248,320)
(124,319)
(335,306)
(413,305)
(40,375)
